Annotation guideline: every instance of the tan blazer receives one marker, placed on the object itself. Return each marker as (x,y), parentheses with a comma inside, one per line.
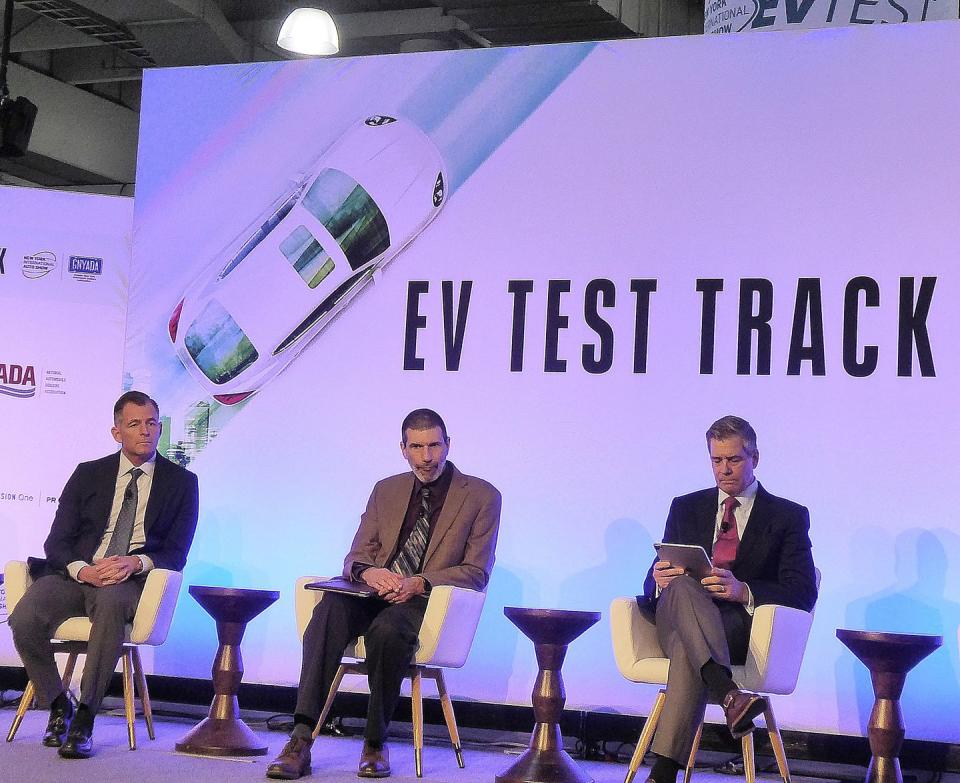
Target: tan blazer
(462,544)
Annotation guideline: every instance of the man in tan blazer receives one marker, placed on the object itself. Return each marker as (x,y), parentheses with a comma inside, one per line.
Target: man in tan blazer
(431,526)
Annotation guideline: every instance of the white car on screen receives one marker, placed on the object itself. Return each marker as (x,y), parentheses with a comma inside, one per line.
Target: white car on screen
(292,272)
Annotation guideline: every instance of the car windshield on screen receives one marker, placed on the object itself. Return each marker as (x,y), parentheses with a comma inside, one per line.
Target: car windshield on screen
(218,345)
(304,252)
(350,214)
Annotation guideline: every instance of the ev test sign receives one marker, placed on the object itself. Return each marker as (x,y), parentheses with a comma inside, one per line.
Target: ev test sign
(736,16)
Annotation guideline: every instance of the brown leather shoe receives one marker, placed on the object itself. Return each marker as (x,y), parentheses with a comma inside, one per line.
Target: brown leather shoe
(293,761)
(374,762)
(740,708)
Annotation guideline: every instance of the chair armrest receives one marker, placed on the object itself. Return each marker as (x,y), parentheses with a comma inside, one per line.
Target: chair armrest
(151,623)
(778,638)
(635,646)
(449,625)
(16,580)
(305,600)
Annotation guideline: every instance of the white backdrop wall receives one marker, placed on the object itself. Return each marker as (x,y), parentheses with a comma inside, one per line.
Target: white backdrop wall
(63,303)
(776,164)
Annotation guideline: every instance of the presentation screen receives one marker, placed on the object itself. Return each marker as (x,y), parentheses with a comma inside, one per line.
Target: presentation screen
(580,256)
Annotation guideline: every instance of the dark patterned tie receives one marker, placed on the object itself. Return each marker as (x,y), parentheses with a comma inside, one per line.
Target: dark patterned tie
(407,563)
(123,530)
(725,548)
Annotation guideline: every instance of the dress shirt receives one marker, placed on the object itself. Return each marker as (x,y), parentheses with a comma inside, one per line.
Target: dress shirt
(438,496)
(139,535)
(742,514)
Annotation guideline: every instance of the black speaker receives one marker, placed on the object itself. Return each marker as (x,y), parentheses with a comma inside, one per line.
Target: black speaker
(16,125)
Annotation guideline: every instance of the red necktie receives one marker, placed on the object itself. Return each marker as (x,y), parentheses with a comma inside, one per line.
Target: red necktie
(725,547)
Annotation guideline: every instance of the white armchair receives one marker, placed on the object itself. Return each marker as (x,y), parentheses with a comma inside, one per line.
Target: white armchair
(778,638)
(150,626)
(447,632)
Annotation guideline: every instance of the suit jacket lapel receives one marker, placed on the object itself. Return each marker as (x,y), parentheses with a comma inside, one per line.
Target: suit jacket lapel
(107,485)
(757,524)
(456,496)
(397,497)
(158,490)
(707,519)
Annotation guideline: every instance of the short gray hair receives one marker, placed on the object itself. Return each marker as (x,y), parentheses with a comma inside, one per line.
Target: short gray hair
(733,426)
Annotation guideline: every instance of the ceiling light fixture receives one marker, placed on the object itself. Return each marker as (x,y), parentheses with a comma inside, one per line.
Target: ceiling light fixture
(309,31)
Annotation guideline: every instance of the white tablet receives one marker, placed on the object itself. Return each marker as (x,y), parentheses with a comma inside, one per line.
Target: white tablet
(692,557)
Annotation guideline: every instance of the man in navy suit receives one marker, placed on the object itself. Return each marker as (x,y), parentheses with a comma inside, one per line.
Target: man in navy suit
(760,548)
(118,518)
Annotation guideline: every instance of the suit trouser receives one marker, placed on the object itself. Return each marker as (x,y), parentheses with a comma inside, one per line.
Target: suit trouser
(390,633)
(693,629)
(51,600)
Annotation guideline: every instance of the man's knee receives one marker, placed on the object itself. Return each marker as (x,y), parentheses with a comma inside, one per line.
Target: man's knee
(390,632)
(115,601)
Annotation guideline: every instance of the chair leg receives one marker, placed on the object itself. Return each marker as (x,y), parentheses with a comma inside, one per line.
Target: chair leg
(447,705)
(646,737)
(692,758)
(28,693)
(127,658)
(416,704)
(776,742)
(141,683)
(749,762)
(334,686)
(68,670)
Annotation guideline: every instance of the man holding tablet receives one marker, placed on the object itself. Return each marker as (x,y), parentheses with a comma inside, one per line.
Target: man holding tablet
(760,548)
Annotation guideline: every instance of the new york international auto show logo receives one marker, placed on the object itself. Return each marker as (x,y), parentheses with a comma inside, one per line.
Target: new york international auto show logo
(18,380)
(38,264)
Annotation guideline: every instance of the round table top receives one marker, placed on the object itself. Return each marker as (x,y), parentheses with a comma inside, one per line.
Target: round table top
(233,604)
(550,626)
(886,637)
(890,652)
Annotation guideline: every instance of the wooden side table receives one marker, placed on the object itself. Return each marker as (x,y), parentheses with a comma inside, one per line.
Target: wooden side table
(223,733)
(889,657)
(550,630)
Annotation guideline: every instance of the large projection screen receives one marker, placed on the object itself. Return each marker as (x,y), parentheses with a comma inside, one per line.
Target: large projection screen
(628,240)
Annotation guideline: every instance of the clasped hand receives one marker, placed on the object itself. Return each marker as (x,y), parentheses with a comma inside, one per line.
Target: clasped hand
(721,583)
(110,571)
(392,587)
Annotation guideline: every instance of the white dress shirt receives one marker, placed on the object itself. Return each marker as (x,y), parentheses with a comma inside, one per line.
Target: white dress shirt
(742,514)
(138,537)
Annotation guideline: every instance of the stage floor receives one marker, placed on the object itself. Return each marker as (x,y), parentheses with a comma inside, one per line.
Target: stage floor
(25,760)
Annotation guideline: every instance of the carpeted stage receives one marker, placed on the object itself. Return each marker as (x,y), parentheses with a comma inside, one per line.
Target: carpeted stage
(25,760)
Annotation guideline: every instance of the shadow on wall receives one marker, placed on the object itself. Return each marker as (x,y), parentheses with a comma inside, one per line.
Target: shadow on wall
(629,552)
(916,602)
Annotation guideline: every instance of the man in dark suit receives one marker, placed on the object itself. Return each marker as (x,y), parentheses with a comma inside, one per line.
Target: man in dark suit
(118,518)
(428,527)
(760,548)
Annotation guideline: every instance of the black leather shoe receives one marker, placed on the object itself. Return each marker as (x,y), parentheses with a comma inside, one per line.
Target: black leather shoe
(374,762)
(79,741)
(59,723)
(740,708)
(293,761)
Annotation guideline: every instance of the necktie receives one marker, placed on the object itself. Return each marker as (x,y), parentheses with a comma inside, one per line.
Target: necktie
(407,563)
(725,548)
(120,541)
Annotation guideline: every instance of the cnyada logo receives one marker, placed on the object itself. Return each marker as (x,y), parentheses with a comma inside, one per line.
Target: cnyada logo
(85,268)
(18,380)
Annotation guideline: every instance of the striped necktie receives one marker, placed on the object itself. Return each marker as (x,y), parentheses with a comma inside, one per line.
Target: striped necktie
(725,548)
(123,530)
(407,563)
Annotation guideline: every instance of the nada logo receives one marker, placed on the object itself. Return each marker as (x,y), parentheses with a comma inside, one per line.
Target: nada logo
(38,264)
(85,268)
(18,380)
